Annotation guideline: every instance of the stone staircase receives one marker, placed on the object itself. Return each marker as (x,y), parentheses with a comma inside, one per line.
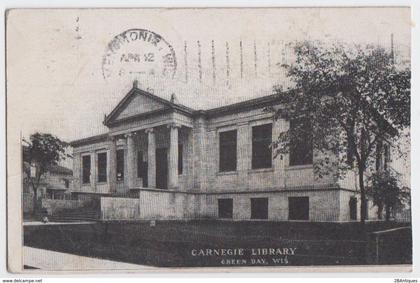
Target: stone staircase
(75,215)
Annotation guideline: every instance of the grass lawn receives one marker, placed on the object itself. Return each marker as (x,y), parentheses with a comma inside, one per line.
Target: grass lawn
(171,243)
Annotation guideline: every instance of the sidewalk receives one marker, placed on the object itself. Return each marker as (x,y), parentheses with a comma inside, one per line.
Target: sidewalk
(57,261)
(40,223)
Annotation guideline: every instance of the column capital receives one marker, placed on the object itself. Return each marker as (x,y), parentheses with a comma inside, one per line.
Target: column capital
(173,125)
(149,130)
(112,138)
(130,134)
(241,124)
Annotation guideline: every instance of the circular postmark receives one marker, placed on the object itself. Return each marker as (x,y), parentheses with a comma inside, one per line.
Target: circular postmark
(139,52)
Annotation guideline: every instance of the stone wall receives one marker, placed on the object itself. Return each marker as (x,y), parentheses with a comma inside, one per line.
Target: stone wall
(113,208)
(323,205)
(279,175)
(92,150)
(345,207)
(160,204)
(54,205)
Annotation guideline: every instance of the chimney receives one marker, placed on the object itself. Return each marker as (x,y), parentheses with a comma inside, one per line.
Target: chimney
(135,84)
(174,99)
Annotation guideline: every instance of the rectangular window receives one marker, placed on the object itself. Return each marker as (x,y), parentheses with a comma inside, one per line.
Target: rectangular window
(261,149)
(301,151)
(227,151)
(259,208)
(353,208)
(120,164)
(298,208)
(66,183)
(180,160)
(102,167)
(225,207)
(86,169)
(141,168)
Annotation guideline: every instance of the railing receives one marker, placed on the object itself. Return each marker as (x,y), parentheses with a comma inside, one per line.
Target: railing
(390,246)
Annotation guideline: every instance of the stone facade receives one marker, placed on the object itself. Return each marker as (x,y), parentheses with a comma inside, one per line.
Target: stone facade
(144,126)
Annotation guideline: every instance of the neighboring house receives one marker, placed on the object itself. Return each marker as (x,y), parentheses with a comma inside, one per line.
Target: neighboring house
(217,163)
(55,184)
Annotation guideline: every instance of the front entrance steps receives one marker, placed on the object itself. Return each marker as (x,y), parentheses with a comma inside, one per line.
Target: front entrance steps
(79,214)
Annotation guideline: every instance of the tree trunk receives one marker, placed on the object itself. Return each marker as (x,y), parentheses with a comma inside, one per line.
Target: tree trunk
(387,213)
(380,209)
(362,196)
(35,200)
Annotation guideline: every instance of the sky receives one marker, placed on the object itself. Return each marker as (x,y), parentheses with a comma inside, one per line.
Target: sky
(55,80)
(55,57)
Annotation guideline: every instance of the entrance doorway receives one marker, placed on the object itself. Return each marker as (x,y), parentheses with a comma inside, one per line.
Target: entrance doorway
(162,168)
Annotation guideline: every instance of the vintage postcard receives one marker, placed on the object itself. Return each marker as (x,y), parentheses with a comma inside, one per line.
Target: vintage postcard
(234,139)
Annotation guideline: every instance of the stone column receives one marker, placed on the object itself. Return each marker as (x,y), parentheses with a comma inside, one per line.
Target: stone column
(173,155)
(131,159)
(93,170)
(112,175)
(77,171)
(244,155)
(151,158)
(199,152)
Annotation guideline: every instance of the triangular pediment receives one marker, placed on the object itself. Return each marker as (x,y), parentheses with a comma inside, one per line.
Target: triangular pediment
(135,103)
(139,104)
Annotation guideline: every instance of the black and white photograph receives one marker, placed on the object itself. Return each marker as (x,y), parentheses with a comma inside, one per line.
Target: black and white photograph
(148,139)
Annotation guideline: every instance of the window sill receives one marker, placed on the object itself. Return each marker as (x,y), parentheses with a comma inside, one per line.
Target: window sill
(299,167)
(261,170)
(101,183)
(227,173)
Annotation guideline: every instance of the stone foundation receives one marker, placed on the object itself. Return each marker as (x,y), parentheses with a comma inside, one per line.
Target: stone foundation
(325,205)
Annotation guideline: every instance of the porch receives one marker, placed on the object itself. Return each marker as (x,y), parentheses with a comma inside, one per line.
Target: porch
(153,158)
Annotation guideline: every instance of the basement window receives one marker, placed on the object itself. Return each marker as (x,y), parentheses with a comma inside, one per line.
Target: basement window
(298,208)
(225,207)
(259,208)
